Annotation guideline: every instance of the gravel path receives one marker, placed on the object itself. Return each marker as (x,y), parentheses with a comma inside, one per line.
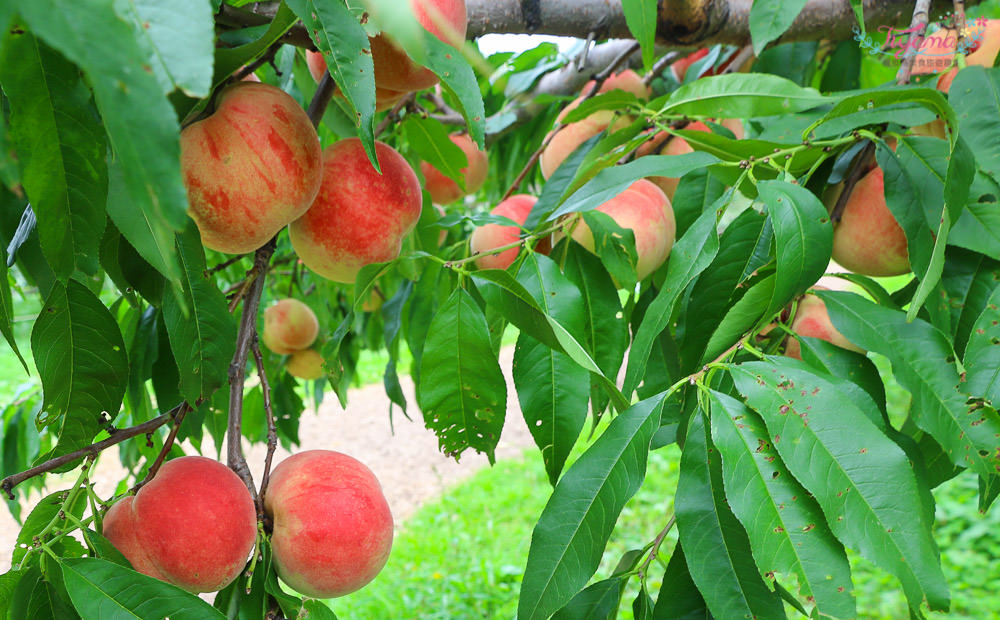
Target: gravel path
(404,455)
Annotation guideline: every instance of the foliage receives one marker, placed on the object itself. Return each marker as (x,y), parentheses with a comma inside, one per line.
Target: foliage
(788,471)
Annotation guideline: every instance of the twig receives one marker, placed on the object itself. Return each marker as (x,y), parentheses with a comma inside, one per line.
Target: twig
(918,27)
(859,167)
(733,64)
(393,115)
(122,434)
(167,445)
(272,433)
(225,264)
(321,98)
(264,58)
(599,80)
(656,546)
(660,66)
(958,17)
(237,369)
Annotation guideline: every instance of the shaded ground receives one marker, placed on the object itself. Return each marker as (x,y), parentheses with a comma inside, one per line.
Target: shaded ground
(404,455)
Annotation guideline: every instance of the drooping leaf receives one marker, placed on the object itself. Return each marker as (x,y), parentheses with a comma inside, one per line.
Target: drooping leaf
(741,317)
(976,101)
(7,310)
(462,392)
(729,582)
(597,601)
(785,525)
(679,598)
(179,38)
(81,360)
(203,343)
(769,19)
(573,529)
(982,354)
(61,149)
(641,19)
(742,95)
(860,478)
(102,589)
(429,140)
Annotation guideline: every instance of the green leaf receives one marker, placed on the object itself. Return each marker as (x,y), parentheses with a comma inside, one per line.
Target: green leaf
(179,38)
(742,95)
(982,354)
(803,238)
(786,527)
(458,79)
(345,47)
(551,387)
(573,529)
(462,391)
(45,511)
(7,310)
(204,341)
(978,227)
(8,584)
(871,99)
(769,19)
(691,255)
(744,315)
(598,600)
(861,479)
(615,246)
(679,598)
(228,60)
(61,149)
(729,581)
(976,101)
(141,124)
(640,16)
(923,363)
(81,360)
(430,143)
(102,589)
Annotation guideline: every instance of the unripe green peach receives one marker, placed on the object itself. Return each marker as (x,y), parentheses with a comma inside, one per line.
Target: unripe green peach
(289,326)
(305,364)
(332,525)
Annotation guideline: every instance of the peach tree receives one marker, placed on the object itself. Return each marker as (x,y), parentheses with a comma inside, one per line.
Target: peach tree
(127,332)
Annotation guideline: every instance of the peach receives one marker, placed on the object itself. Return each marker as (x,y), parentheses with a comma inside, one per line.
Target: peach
(627,80)
(645,210)
(489,236)
(812,320)
(445,19)
(674,146)
(384,98)
(289,326)
(868,240)
(444,190)
(305,364)
(193,525)
(360,216)
(250,168)
(332,525)
(984,54)
(680,67)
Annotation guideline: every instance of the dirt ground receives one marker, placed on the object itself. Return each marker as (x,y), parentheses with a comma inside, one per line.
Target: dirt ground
(403,455)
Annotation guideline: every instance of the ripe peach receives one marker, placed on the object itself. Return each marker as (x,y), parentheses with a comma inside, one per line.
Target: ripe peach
(192,525)
(445,19)
(985,52)
(627,80)
(680,67)
(332,525)
(674,146)
(812,320)
(250,168)
(360,216)
(645,210)
(490,236)
(305,364)
(384,98)
(289,326)
(868,240)
(444,190)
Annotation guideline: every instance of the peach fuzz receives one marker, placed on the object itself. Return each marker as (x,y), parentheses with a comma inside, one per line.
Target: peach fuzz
(645,210)
(490,236)
(193,525)
(289,326)
(250,168)
(445,19)
(305,364)
(360,216)
(868,240)
(332,525)
(812,320)
(444,190)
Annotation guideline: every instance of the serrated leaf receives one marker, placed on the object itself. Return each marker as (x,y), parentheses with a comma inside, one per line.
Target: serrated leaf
(729,582)
(203,342)
(691,255)
(141,124)
(458,79)
(179,38)
(462,392)
(102,589)
(573,529)
(769,19)
(81,360)
(861,479)
(922,362)
(61,149)
(742,95)
(803,239)
(785,525)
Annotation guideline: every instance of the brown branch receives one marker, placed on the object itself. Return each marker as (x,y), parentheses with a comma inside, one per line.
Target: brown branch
(393,116)
(859,167)
(226,263)
(660,66)
(121,434)
(167,445)
(321,98)
(918,27)
(734,64)
(272,434)
(237,369)
(958,18)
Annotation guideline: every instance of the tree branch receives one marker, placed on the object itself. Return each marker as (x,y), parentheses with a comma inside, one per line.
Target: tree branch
(918,27)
